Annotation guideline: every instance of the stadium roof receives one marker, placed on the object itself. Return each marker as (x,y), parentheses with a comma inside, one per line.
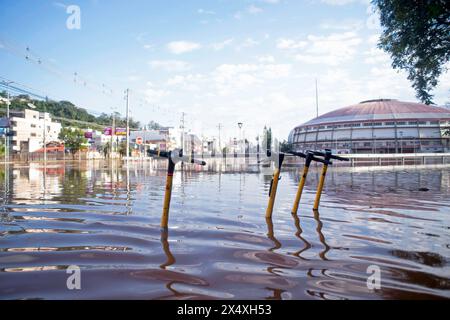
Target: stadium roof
(382,109)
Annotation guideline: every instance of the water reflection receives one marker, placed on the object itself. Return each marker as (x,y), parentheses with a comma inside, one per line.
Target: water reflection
(105,217)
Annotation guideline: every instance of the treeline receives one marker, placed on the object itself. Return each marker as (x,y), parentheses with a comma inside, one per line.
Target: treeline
(67,111)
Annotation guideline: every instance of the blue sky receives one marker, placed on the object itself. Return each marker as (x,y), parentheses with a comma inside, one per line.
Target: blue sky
(226,61)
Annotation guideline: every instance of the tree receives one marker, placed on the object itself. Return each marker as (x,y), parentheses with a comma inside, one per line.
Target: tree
(2,149)
(417,36)
(123,149)
(285,146)
(105,149)
(153,125)
(267,139)
(73,139)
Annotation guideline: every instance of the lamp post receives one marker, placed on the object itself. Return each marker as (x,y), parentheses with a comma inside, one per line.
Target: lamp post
(8,103)
(240,124)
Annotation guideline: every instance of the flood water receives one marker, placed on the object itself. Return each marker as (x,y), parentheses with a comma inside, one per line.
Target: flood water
(105,219)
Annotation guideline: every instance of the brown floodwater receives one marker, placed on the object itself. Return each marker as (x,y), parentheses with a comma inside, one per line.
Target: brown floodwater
(105,219)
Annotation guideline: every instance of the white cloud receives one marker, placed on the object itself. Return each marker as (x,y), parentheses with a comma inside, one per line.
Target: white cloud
(345,25)
(373,21)
(376,56)
(170,65)
(254,9)
(238,15)
(190,82)
(208,12)
(180,47)
(284,43)
(153,94)
(266,59)
(221,45)
(332,49)
(231,77)
(247,43)
(344,2)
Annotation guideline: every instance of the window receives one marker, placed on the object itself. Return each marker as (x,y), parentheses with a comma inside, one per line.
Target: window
(434,122)
(422,122)
(390,123)
(412,122)
(367,144)
(367,124)
(401,123)
(377,124)
(33,134)
(33,126)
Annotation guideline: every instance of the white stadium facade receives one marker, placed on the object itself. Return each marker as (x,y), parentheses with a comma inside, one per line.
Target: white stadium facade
(377,126)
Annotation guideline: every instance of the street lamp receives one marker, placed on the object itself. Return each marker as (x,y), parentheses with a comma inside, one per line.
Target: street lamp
(240,124)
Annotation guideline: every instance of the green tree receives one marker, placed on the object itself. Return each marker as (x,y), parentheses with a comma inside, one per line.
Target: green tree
(73,139)
(285,146)
(153,125)
(105,149)
(417,36)
(2,149)
(123,149)
(267,139)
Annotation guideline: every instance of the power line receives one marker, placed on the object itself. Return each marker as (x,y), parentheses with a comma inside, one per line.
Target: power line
(25,52)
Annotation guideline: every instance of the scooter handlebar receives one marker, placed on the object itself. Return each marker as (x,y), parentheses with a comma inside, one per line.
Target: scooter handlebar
(328,154)
(195,161)
(165,154)
(297,154)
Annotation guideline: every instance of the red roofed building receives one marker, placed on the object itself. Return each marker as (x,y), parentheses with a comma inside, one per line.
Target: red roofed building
(377,126)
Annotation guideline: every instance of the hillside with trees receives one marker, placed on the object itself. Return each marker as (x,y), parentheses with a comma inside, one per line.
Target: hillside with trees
(67,113)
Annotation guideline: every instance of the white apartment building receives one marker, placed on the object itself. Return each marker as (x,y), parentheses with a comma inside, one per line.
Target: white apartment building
(27,127)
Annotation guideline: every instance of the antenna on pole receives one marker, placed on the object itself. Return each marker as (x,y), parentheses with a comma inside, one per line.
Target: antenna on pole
(317,100)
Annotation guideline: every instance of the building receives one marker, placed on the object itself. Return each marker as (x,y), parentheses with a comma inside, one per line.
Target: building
(153,139)
(27,128)
(377,126)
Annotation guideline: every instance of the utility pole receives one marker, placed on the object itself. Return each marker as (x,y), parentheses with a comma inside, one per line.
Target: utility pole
(182,130)
(317,100)
(8,103)
(45,132)
(220,141)
(128,123)
(113,131)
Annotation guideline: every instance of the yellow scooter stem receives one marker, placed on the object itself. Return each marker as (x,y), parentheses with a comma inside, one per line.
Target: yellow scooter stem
(167,195)
(320,187)
(274,187)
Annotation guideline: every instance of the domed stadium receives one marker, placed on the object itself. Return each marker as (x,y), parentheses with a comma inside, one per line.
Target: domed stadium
(377,126)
